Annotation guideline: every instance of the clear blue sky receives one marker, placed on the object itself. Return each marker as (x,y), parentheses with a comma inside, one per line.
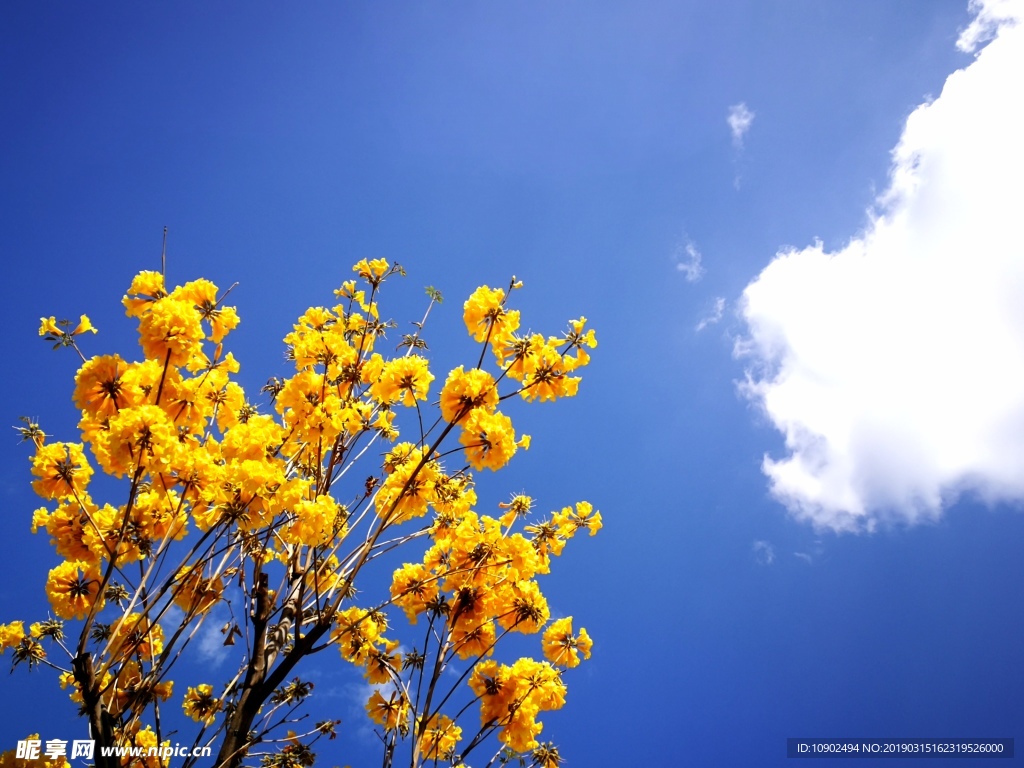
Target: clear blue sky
(864,581)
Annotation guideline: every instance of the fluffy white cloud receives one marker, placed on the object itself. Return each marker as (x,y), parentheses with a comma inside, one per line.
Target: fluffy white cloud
(895,366)
(740,119)
(990,15)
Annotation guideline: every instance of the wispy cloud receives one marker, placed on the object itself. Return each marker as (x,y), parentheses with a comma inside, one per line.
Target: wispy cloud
(713,317)
(740,119)
(688,259)
(212,650)
(354,696)
(208,639)
(764,553)
(893,366)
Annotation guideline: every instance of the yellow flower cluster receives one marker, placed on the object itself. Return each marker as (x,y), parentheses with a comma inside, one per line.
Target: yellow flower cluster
(511,697)
(140,740)
(197,593)
(391,713)
(259,492)
(562,647)
(440,737)
(73,588)
(171,325)
(120,692)
(480,577)
(201,705)
(11,634)
(541,365)
(360,641)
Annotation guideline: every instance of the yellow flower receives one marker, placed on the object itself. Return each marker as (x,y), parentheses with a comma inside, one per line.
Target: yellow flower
(146,740)
(250,440)
(465,391)
(48,327)
(311,407)
(356,632)
(139,436)
(170,331)
(53,330)
(104,539)
(67,526)
(409,488)
(136,635)
(316,522)
(196,593)
(564,648)
(523,560)
(546,756)
(529,609)
(382,665)
(391,713)
(543,371)
(230,404)
(73,588)
(440,737)
(98,386)
(453,495)
(117,692)
(489,439)
(584,516)
(200,704)
(146,287)
(373,270)
(203,294)
(412,589)
(491,683)
(140,382)
(577,339)
(348,291)
(62,470)
(84,325)
(469,640)
(486,317)
(519,507)
(405,379)
(11,634)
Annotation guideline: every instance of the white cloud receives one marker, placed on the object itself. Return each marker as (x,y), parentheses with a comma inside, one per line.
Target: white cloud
(894,366)
(355,697)
(714,316)
(208,638)
(740,119)
(687,259)
(764,553)
(211,643)
(991,15)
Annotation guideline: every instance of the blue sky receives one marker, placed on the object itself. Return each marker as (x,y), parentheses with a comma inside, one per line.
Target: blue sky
(803,424)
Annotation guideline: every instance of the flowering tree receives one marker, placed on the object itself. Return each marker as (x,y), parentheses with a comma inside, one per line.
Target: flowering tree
(278,516)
